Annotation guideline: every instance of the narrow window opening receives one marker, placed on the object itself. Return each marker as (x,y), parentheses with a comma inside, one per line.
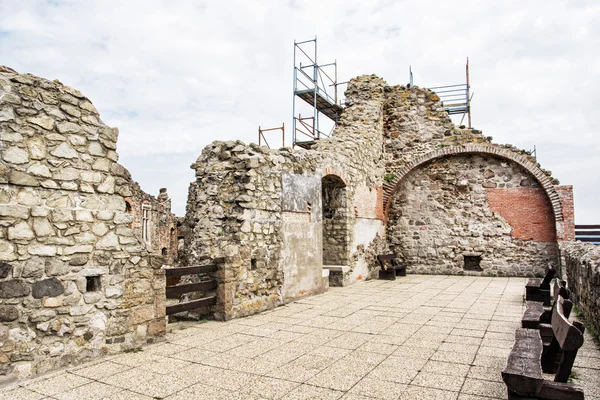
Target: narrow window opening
(127,207)
(146,222)
(472,263)
(92,283)
(253,264)
(163,251)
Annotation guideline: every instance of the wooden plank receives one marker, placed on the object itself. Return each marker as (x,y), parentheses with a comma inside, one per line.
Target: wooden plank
(191,287)
(523,372)
(545,285)
(191,305)
(568,336)
(587,226)
(560,391)
(201,269)
(533,314)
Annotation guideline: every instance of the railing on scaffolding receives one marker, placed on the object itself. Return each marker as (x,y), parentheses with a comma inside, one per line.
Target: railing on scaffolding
(262,138)
(317,85)
(456,98)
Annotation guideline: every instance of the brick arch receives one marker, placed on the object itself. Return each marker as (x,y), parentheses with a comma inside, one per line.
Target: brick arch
(333,170)
(390,188)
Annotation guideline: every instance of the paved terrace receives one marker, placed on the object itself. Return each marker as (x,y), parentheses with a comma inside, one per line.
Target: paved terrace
(420,337)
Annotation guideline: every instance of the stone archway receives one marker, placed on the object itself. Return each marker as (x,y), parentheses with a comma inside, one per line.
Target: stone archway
(390,188)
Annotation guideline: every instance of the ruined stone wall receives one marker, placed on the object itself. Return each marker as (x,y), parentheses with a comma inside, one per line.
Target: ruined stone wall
(261,209)
(582,267)
(75,282)
(160,230)
(509,212)
(475,206)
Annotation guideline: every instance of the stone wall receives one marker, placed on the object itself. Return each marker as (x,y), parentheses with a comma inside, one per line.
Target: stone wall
(75,281)
(153,222)
(262,209)
(476,206)
(451,193)
(582,268)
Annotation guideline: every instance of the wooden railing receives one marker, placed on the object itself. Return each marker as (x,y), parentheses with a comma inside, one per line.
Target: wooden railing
(204,286)
(588,233)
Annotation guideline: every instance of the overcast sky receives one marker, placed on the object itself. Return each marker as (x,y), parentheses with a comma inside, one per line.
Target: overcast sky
(175,75)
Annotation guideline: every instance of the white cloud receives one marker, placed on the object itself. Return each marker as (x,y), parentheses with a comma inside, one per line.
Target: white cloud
(175,75)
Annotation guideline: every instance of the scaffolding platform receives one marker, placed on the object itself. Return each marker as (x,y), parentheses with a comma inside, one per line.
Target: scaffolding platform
(316,85)
(323,105)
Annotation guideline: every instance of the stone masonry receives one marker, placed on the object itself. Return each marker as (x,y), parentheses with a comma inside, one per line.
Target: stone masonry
(582,268)
(75,280)
(396,175)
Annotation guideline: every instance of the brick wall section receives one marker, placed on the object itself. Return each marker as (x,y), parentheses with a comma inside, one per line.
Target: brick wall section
(527,210)
(565,193)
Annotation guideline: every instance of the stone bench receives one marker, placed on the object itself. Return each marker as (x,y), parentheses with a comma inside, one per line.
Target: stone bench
(523,373)
(538,289)
(390,266)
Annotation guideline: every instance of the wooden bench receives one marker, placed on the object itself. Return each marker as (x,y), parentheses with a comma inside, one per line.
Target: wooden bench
(390,266)
(535,312)
(538,289)
(523,373)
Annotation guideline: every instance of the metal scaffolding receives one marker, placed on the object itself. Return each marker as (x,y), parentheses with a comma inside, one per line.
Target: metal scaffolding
(262,138)
(456,98)
(314,84)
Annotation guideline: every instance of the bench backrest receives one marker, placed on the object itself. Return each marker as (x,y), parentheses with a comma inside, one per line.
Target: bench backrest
(390,259)
(569,335)
(560,289)
(545,285)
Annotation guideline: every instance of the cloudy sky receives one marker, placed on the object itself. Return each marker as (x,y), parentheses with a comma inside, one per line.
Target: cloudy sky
(175,75)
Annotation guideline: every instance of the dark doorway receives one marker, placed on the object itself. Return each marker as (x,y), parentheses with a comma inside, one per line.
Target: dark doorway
(335,221)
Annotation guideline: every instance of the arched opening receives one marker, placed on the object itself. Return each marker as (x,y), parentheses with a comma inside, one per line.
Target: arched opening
(471,213)
(335,221)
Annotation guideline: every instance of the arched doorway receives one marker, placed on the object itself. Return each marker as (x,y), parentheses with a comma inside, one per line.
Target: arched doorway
(335,221)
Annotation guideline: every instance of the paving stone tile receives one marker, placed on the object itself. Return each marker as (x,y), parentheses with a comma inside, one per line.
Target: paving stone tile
(127,395)
(202,392)
(378,389)
(57,384)
(269,388)
(420,393)
(438,381)
(304,392)
(484,373)
(20,393)
(478,387)
(90,391)
(452,357)
(444,368)
(99,370)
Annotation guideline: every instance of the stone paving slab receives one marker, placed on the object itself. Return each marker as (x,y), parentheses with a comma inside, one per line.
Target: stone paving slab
(419,337)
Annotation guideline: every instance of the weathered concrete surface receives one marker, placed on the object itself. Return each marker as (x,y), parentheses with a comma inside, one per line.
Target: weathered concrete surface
(419,337)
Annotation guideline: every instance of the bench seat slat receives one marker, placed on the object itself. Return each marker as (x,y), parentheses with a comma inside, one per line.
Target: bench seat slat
(523,372)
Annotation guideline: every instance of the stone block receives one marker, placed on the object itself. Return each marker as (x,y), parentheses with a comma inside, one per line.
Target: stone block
(14,288)
(21,231)
(22,179)
(51,287)
(8,313)
(14,211)
(5,270)
(64,150)
(141,314)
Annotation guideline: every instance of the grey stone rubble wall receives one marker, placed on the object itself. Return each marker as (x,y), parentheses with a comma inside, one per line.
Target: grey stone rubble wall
(582,268)
(63,221)
(261,208)
(415,125)
(442,213)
